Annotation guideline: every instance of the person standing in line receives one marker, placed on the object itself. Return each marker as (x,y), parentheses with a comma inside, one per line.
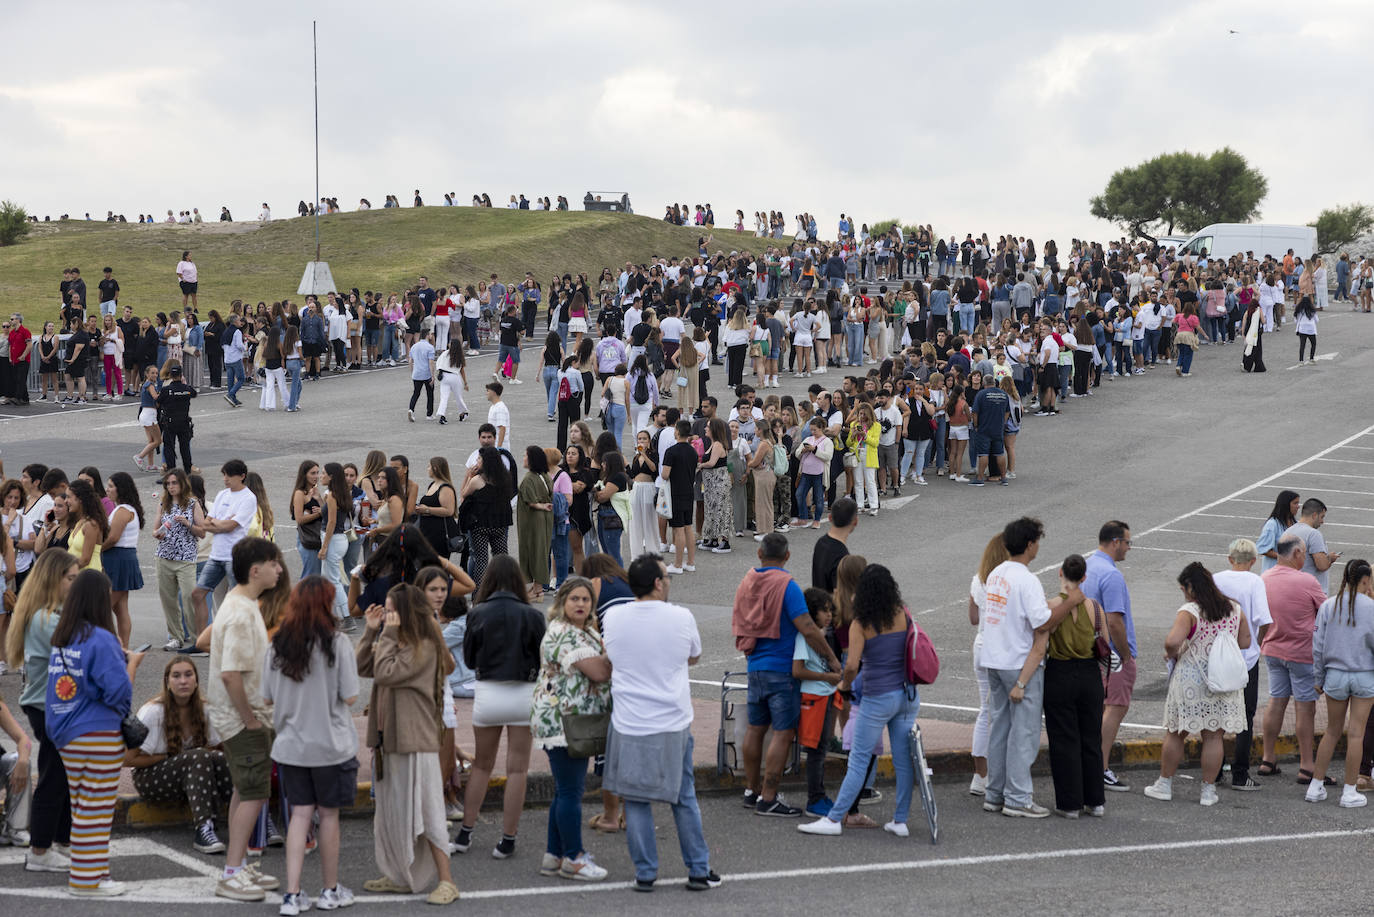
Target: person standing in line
(650,645)
(21,351)
(1294,597)
(1015,634)
(1246,589)
(188,275)
(1318,560)
(1073,704)
(239,712)
(1106,586)
(227,522)
(119,550)
(89,692)
(310,677)
(678,473)
(233,348)
(181,515)
(1282,517)
(1305,315)
(403,651)
(1343,668)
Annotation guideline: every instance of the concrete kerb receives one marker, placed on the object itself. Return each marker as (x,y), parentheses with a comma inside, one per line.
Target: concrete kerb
(947,767)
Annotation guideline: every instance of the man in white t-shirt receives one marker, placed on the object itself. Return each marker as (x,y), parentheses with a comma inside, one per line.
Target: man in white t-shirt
(672,329)
(1049,369)
(890,417)
(228,520)
(1015,627)
(498,415)
(650,644)
(1246,589)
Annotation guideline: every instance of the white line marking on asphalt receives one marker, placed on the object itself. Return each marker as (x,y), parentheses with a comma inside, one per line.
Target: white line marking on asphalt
(1348,461)
(1142,547)
(1328,474)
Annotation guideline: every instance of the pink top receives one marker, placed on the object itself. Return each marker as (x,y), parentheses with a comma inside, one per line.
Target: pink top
(1186,323)
(1294,597)
(562,484)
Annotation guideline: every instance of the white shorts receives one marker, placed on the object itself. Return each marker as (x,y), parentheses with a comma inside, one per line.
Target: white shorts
(801,340)
(502,703)
(147,417)
(959,432)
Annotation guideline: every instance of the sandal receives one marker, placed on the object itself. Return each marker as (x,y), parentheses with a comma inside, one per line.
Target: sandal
(597,823)
(859,820)
(1306,777)
(1268,769)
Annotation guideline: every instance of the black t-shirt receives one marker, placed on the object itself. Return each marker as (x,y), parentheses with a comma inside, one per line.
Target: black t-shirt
(620,481)
(825,562)
(511,326)
(681,460)
(78,338)
(426,297)
(109,289)
(639,334)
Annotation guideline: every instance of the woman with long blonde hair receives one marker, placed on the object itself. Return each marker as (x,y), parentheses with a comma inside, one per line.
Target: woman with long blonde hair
(994,553)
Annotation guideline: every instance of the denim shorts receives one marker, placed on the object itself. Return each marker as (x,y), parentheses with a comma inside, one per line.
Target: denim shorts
(212,573)
(1291,679)
(774,700)
(987,445)
(1343,685)
(506,350)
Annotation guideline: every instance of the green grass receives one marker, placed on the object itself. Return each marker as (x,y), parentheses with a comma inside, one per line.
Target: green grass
(383,250)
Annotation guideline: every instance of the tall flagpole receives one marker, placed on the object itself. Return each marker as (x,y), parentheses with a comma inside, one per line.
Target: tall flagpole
(314,41)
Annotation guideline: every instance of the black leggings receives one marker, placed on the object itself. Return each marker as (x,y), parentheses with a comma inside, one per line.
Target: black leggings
(171,436)
(568,412)
(1303,341)
(50,818)
(428,386)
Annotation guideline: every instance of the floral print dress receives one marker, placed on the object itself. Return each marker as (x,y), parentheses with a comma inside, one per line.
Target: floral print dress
(561,687)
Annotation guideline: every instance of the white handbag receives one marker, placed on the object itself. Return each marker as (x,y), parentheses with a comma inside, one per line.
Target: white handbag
(1226,670)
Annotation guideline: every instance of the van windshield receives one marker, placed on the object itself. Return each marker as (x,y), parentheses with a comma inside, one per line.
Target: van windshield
(1198,245)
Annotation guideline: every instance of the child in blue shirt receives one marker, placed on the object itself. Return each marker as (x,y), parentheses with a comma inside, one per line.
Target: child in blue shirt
(818,702)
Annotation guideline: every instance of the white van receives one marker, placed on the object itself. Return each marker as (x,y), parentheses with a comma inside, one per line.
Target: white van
(1222,240)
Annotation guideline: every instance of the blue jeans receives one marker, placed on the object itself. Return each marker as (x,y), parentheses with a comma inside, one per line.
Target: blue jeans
(639,828)
(854,342)
(615,420)
(310,559)
(549,376)
(293,368)
(917,451)
(1185,357)
(562,329)
(1152,345)
(941,431)
(610,540)
(332,569)
(388,341)
(1216,327)
(562,556)
(815,485)
(470,332)
(897,713)
(565,812)
(968,317)
(1013,737)
(235,377)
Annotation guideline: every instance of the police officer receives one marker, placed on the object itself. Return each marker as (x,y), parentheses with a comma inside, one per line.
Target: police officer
(174,409)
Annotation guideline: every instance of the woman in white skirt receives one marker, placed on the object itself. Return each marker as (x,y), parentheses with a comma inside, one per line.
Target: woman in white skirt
(451,367)
(403,651)
(502,647)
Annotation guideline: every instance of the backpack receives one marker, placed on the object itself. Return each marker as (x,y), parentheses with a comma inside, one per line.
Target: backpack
(641,390)
(780,464)
(564,389)
(922,664)
(1226,669)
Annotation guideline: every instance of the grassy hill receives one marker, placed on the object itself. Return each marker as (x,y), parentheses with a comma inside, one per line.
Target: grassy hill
(376,250)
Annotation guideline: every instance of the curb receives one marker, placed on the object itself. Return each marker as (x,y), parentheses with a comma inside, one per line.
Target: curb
(946,767)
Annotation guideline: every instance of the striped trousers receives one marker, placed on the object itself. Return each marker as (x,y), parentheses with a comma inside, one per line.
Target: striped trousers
(92,762)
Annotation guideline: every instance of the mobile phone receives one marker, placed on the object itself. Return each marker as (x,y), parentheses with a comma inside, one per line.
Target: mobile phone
(144,648)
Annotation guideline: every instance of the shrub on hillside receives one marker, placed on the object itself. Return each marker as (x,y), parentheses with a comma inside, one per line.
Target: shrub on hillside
(14,223)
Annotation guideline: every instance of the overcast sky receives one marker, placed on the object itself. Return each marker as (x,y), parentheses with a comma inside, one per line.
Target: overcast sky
(996,116)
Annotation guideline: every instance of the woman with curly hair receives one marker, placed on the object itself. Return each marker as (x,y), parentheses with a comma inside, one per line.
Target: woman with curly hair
(181,761)
(877,638)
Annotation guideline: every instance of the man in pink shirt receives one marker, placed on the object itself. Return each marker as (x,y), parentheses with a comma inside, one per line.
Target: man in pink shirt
(1294,597)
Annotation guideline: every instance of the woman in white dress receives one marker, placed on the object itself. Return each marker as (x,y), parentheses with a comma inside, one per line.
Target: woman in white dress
(1189,705)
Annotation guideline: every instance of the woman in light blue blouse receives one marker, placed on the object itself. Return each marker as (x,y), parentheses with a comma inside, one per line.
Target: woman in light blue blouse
(1284,514)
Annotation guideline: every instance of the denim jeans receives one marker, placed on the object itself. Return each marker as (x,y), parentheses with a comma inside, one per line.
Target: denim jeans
(968,317)
(549,376)
(310,559)
(565,812)
(562,556)
(610,540)
(1014,736)
(895,712)
(815,485)
(639,828)
(470,332)
(941,433)
(1216,327)
(854,343)
(917,451)
(615,421)
(234,373)
(1185,358)
(332,569)
(293,368)
(1152,345)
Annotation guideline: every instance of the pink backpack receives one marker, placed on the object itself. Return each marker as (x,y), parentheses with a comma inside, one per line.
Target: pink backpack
(922,664)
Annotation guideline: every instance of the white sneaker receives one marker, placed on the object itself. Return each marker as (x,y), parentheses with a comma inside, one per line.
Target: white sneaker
(822,826)
(239,887)
(897,828)
(333,898)
(293,904)
(1316,793)
(4,669)
(978,786)
(671,569)
(1353,800)
(582,868)
(108,888)
(689,568)
(1209,794)
(51,861)
(1162,789)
